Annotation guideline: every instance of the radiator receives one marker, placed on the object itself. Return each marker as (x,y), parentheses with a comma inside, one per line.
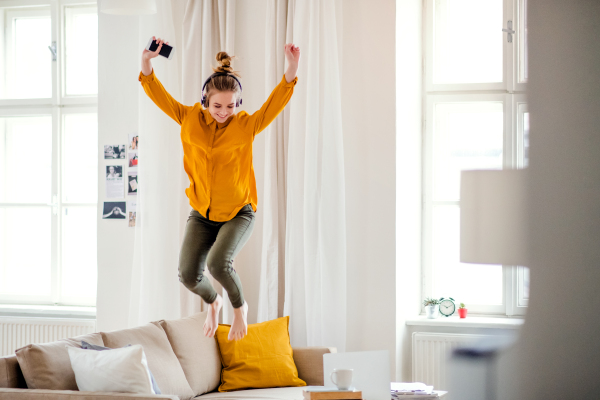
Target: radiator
(430,352)
(16,332)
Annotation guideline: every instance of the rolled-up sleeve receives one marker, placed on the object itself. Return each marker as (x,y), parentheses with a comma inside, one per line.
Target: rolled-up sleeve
(159,95)
(276,102)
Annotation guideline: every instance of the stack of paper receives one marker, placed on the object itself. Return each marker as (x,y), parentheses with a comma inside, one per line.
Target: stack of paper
(403,390)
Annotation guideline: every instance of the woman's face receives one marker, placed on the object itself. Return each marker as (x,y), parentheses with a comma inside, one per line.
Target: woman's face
(111,170)
(222,105)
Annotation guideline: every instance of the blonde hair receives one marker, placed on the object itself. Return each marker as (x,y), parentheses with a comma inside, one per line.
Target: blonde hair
(223,83)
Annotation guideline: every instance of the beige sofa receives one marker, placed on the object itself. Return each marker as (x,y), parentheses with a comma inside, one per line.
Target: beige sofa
(185,364)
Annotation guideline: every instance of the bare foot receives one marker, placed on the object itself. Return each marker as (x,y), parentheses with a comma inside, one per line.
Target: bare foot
(239,327)
(212,319)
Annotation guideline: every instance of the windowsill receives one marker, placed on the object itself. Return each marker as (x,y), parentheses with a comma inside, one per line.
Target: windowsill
(36,311)
(469,322)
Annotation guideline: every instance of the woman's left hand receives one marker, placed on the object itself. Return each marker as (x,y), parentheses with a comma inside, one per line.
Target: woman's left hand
(292,53)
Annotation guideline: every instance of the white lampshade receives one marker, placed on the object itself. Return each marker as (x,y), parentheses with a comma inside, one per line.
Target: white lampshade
(493,217)
(128,7)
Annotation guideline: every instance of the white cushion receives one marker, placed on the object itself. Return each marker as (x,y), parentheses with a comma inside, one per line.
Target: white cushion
(117,370)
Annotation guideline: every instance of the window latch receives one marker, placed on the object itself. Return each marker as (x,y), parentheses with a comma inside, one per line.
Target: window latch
(53,50)
(509,31)
(54,205)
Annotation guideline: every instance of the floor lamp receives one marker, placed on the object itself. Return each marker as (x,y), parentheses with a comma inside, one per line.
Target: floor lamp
(493,230)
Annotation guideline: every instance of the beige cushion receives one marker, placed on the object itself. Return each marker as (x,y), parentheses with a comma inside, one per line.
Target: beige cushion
(309,362)
(10,373)
(47,365)
(197,354)
(161,360)
(283,393)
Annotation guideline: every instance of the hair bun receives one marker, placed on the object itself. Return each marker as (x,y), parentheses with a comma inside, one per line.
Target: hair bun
(225,60)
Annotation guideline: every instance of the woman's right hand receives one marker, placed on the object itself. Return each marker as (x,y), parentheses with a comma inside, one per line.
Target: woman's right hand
(148,55)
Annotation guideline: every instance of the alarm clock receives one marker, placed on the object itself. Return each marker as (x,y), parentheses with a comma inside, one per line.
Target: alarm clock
(447,306)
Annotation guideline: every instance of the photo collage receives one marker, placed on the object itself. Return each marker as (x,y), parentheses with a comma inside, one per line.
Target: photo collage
(120,192)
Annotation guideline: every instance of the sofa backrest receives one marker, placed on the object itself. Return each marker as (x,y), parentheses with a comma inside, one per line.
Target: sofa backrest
(10,373)
(198,355)
(162,361)
(183,361)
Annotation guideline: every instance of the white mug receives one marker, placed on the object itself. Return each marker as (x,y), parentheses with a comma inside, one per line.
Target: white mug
(343,378)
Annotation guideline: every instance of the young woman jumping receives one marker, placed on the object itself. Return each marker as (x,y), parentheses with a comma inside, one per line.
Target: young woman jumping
(217,157)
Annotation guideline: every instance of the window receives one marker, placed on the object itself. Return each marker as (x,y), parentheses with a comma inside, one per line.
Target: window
(475,117)
(48,152)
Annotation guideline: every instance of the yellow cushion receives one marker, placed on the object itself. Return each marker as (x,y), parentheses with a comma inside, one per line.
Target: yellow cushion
(262,359)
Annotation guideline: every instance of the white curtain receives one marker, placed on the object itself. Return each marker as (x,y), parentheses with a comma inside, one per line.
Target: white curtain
(161,201)
(272,271)
(312,194)
(206,27)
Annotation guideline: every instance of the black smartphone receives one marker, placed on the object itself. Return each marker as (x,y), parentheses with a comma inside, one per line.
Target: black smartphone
(166,50)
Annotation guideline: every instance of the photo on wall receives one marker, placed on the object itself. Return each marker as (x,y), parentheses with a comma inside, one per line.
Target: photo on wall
(115,187)
(132,219)
(114,171)
(132,150)
(133,159)
(133,142)
(132,207)
(112,152)
(133,183)
(114,210)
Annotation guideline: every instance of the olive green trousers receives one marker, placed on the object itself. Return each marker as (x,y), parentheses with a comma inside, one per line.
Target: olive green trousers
(214,244)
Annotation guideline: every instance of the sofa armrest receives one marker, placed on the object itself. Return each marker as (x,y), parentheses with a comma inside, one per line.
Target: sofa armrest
(309,362)
(45,394)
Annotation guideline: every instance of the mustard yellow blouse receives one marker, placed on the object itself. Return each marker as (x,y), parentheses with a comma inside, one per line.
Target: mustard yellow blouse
(217,157)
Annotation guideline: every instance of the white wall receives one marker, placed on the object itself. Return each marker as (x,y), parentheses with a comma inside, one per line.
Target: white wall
(409,86)
(369,122)
(118,67)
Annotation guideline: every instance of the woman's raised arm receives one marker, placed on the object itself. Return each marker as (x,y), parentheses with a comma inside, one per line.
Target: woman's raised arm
(155,90)
(279,97)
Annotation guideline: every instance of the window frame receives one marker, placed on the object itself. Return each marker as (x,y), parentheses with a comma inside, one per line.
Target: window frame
(57,106)
(65,98)
(507,75)
(511,92)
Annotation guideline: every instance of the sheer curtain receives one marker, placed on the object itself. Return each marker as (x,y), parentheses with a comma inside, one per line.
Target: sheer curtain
(160,200)
(162,206)
(312,193)
(272,272)
(208,27)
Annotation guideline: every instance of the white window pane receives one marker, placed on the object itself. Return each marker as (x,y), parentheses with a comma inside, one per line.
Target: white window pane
(523,41)
(28,65)
(465,136)
(81,30)
(25,255)
(526,139)
(468,41)
(79,265)
(471,284)
(80,158)
(523,273)
(26,159)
